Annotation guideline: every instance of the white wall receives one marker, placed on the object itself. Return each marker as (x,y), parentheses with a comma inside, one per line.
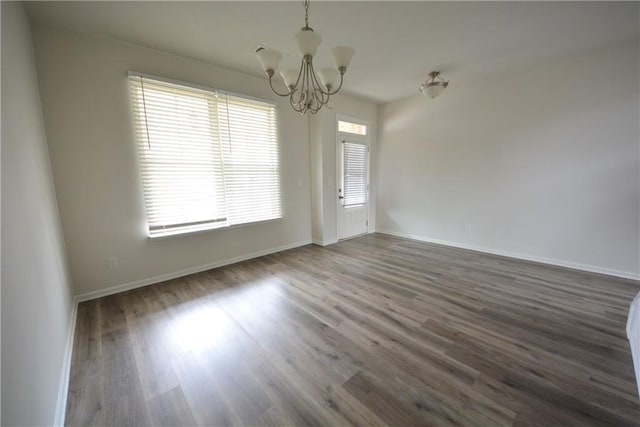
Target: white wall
(324,151)
(539,162)
(317,188)
(36,291)
(87,115)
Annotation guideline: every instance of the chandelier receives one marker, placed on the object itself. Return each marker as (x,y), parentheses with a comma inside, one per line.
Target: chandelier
(306,90)
(434,85)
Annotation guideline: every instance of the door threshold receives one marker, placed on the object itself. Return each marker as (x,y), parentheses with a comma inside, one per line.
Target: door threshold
(353,237)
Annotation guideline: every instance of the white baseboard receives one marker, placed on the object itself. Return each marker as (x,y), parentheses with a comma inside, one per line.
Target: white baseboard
(63,388)
(559,263)
(174,275)
(323,243)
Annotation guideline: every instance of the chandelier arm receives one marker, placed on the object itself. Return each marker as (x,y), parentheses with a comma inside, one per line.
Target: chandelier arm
(302,100)
(297,89)
(298,105)
(293,100)
(292,97)
(327,101)
(313,107)
(295,106)
(317,86)
(305,87)
(309,85)
(339,87)
(299,73)
(320,96)
(274,90)
(316,109)
(325,98)
(318,93)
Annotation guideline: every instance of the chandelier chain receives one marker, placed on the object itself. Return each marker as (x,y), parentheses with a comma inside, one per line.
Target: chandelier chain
(306,13)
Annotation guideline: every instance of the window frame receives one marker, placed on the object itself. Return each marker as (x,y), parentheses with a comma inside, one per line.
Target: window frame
(213,225)
(351,120)
(355,137)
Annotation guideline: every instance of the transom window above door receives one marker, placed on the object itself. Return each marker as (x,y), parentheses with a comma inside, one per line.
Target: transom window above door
(352,128)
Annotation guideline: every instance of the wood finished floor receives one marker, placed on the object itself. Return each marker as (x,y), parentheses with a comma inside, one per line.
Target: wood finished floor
(373,331)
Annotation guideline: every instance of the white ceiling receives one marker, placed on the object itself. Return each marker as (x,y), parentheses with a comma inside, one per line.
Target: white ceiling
(397,43)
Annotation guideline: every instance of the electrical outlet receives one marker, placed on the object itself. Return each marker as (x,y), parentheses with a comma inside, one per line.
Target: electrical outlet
(113,262)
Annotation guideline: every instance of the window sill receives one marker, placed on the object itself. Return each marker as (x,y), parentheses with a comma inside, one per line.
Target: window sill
(208,228)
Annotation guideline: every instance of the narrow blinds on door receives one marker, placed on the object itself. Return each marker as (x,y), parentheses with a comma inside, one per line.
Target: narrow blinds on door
(355,174)
(207,159)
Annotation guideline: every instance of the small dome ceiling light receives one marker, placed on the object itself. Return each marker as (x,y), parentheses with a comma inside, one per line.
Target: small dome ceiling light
(434,85)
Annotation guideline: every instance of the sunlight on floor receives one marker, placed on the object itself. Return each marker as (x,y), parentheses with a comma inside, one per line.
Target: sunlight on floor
(199,328)
(202,326)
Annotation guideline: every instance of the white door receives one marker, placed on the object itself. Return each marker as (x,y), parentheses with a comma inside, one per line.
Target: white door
(353,188)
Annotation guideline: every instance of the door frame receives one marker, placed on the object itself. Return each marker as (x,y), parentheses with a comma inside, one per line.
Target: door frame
(362,139)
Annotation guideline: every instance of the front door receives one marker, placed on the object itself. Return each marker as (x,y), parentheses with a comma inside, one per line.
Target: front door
(353,188)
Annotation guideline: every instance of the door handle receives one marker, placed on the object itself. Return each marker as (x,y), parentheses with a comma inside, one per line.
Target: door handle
(340,197)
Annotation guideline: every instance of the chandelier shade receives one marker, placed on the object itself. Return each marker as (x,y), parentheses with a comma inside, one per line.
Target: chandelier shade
(308,42)
(307,90)
(342,56)
(328,77)
(269,58)
(290,76)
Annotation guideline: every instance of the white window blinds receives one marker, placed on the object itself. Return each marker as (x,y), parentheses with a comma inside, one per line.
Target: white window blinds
(207,159)
(249,141)
(355,174)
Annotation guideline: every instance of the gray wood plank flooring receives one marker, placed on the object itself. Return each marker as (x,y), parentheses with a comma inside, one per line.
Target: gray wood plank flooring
(374,331)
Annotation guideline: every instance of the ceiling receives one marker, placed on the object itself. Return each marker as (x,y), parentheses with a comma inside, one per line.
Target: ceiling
(397,43)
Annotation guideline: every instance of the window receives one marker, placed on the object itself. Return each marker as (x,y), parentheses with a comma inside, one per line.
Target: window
(354,128)
(208,159)
(355,174)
